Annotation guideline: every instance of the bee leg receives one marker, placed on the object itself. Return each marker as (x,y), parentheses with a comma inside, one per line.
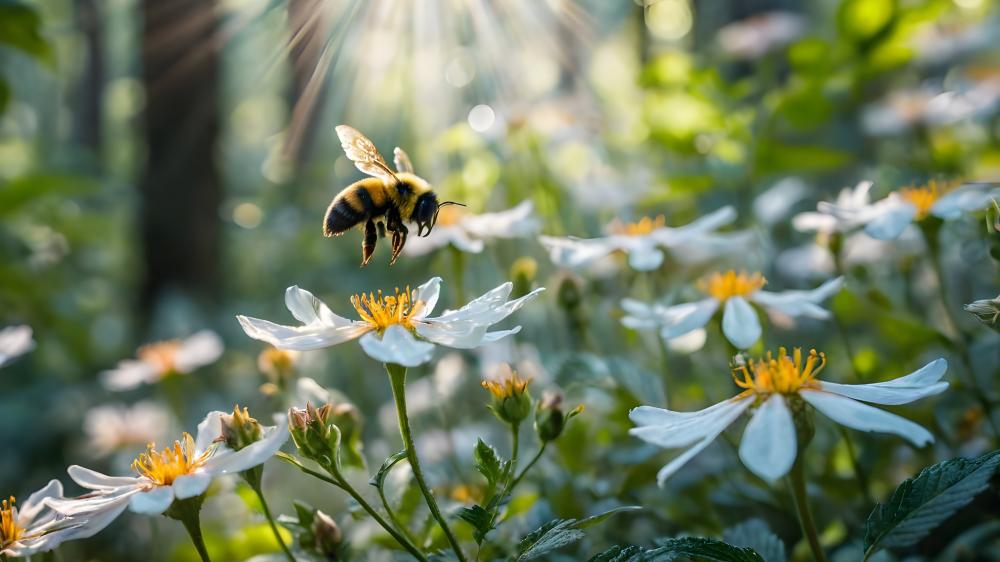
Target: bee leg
(398,241)
(368,244)
(381,229)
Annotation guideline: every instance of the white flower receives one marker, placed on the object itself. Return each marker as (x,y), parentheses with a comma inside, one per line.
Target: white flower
(393,328)
(15,341)
(467,232)
(181,471)
(904,109)
(734,292)
(158,360)
(755,36)
(839,216)
(34,527)
(774,388)
(640,240)
(772,206)
(113,427)
(887,218)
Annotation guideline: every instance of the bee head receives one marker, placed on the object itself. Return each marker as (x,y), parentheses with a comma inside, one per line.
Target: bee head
(425,212)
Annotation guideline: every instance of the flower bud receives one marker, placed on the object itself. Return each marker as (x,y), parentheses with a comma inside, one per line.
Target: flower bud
(313,432)
(550,420)
(239,429)
(327,535)
(522,273)
(511,400)
(278,365)
(569,293)
(987,311)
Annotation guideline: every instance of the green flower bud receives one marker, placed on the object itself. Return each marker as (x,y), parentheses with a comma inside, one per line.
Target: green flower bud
(550,420)
(522,273)
(511,401)
(327,535)
(239,429)
(314,433)
(569,293)
(987,311)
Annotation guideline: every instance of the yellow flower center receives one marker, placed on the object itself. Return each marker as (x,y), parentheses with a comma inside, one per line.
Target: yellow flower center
(643,227)
(382,311)
(509,384)
(163,467)
(450,215)
(729,284)
(161,354)
(10,532)
(781,374)
(924,197)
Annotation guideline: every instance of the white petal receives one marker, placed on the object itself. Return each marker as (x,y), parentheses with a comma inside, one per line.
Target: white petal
(891,221)
(95,520)
(466,327)
(645,258)
(681,319)
(191,485)
(14,342)
(256,453)
(768,444)
(800,303)
(209,429)
(740,323)
(575,253)
(963,200)
(669,429)
(308,309)
(302,338)
(198,350)
(440,237)
(153,502)
(704,225)
(428,294)
(397,345)
(129,374)
(93,480)
(30,508)
(308,390)
(512,223)
(856,415)
(921,383)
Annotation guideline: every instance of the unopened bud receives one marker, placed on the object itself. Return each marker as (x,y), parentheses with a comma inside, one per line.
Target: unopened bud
(278,365)
(239,429)
(522,273)
(987,311)
(511,401)
(327,535)
(569,295)
(313,432)
(550,420)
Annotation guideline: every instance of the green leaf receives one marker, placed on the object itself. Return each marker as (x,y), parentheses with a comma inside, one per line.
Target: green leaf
(4,95)
(755,534)
(378,480)
(921,503)
(559,533)
(480,519)
(489,464)
(703,549)
(23,190)
(20,28)
(620,554)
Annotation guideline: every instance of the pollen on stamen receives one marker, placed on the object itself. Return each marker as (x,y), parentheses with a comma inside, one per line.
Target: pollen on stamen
(382,311)
(924,197)
(781,374)
(163,467)
(728,284)
(643,226)
(9,530)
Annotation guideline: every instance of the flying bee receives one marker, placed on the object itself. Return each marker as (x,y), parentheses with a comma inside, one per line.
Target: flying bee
(383,201)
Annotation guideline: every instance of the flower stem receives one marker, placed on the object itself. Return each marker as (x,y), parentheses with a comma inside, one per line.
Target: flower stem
(397,379)
(859,474)
(458,265)
(530,464)
(392,516)
(188,513)
(797,478)
(270,521)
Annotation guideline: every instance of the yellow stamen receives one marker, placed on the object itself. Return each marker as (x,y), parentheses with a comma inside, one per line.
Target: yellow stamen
(382,311)
(924,197)
(508,385)
(731,284)
(644,226)
(10,532)
(163,467)
(781,374)
(161,354)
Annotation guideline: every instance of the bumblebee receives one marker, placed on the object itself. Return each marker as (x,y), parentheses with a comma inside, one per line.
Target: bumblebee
(382,202)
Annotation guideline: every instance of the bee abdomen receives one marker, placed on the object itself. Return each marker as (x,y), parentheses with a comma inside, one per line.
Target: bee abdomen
(351,207)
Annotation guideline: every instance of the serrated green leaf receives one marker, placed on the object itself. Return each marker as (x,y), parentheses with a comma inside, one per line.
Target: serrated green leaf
(489,464)
(601,517)
(619,554)
(560,532)
(755,534)
(702,549)
(378,480)
(921,503)
(480,519)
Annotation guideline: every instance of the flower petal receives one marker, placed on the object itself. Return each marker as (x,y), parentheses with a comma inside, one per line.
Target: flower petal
(30,508)
(740,323)
(308,309)
(673,321)
(302,338)
(966,199)
(397,345)
(512,223)
(921,383)
(645,259)
(198,350)
(800,303)
(129,374)
(704,225)
(768,445)
(891,220)
(862,417)
(669,429)
(209,429)
(14,342)
(575,253)
(428,294)
(191,485)
(256,453)
(93,480)
(466,327)
(152,502)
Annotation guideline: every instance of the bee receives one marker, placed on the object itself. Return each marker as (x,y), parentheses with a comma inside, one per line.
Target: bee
(382,202)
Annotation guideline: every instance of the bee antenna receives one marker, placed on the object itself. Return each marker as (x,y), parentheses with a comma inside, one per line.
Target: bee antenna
(445,203)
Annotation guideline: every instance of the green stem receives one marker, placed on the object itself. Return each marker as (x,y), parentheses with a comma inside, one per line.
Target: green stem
(270,521)
(458,265)
(512,467)
(530,464)
(339,481)
(188,513)
(397,379)
(392,516)
(859,474)
(797,479)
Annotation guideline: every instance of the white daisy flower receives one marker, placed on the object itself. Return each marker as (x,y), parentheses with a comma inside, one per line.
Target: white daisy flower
(640,241)
(468,232)
(776,389)
(158,360)
(842,215)
(15,341)
(113,427)
(754,37)
(394,328)
(34,527)
(733,292)
(181,471)
(887,218)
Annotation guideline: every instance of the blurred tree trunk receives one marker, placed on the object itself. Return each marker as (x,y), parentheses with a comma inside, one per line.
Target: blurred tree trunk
(180,187)
(90,89)
(307,35)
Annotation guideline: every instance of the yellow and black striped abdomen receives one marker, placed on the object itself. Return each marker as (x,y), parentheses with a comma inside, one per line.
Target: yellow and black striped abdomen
(356,204)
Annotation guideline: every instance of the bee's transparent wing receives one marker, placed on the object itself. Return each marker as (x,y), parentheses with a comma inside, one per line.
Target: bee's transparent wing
(402,159)
(360,150)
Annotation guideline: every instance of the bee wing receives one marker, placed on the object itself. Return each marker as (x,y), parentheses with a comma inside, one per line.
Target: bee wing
(402,159)
(360,150)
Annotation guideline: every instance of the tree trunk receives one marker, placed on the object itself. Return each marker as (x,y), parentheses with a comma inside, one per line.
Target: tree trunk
(90,96)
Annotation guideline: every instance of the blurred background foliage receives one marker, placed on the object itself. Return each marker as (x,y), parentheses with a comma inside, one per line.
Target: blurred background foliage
(166,165)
